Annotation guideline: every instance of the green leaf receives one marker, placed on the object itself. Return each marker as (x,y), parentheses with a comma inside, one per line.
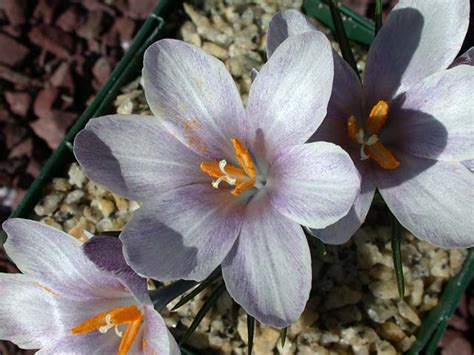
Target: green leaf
(283,333)
(164,295)
(250,332)
(202,286)
(397,255)
(378,15)
(341,36)
(206,307)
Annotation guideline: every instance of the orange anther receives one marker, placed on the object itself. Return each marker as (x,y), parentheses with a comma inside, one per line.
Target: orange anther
(352,129)
(382,156)
(243,156)
(377,117)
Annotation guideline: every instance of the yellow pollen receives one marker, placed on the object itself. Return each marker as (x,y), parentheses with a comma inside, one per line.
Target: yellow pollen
(243,177)
(129,315)
(371,147)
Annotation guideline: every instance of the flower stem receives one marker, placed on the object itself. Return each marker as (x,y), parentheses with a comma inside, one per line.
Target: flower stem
(341,36)
(378,16)
(397,255)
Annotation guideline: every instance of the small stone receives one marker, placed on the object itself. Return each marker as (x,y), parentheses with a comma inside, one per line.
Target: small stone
(76,175)
(126,107)
(456,260)
(51,222)
(15,53)
(105,225)
(49,204)
(266,340)
(189,34)
(380,311)
(106,207)
(391,331)
(121,203)
(416,294)
(381,272)
(95,190)
(74,196)
(407,343)
(386,290)
(408,313)
(61,184)
(342,296)
(19,102)
(385,348)
(78,232)
(358,336)
(92,214)
(215,50)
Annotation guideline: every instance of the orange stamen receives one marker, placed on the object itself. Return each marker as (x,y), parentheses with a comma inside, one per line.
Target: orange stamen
(377,117)
(102,322)
(129,337)
(352,129)
(243,177)
(243,156)
(382,156)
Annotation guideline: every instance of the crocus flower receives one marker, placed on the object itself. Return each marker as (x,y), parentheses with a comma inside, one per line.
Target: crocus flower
(224,185)
(409,125)
(63,303)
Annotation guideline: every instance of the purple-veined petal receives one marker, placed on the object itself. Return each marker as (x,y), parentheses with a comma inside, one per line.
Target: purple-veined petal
(347,95)
(94,343)
(314,184)
(341,231)
(135,156)
(156,336)
(184,235)
(467,58)
(285,24)
(27,312)
(56,260)
(288,99)
(432,199)
(418,39)
(194,96)
(436,117)
(469,164)
(106,253)
(268,271)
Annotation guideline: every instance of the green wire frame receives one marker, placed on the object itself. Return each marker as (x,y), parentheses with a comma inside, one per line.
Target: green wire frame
(358,28)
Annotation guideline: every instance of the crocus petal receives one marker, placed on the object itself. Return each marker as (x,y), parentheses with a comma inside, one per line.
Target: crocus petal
(106,253)
(436,118)
(432,199)
(135,156)
(314,184)
(466,58)
(288,99)
(285,24)
(156,337)
(347,94)
(194,96)
(341,231)
(94,343)
(268,271)
(418,39)
(184,235)
(27,312)
(469,164)
(55,259)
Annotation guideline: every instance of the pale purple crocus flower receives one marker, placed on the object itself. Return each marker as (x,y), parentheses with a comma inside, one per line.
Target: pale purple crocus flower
(222,184)
(63,303)
(409,125)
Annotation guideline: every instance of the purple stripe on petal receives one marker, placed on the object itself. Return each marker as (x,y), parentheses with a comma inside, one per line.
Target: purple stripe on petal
(56,260)
(106,253)
(314,184)
(436,117)
(135,156)
(194,96)
(27,312)
(285,24)
(467,58)
(432,199)
(268,271)
(288,99)
(417,40)
(185,234)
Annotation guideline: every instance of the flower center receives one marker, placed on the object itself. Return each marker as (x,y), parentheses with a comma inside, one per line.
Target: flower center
(243,178)
(129,315)
(367,137)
